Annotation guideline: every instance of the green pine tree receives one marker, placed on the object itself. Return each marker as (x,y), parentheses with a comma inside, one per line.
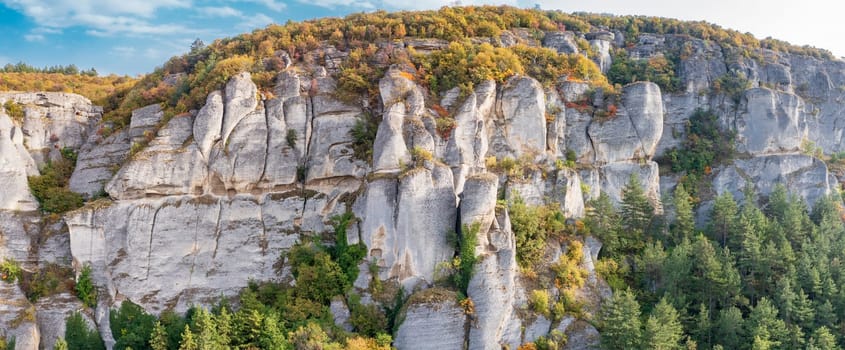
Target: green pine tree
(158,338)
(636,214)
(620,320)
(729,328)
(684,225)
(272,336)
(188,342)
(723,220)
(663,330)
(822,339)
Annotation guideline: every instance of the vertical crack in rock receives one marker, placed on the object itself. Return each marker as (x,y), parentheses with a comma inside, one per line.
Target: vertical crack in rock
(592,142)
(266,148)
(264,241)
(309,126)
(152,234)
(195,249)
(637,132)
(217,229)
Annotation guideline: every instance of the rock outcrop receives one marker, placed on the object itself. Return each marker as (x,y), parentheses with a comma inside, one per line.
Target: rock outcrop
(432,320)
(194,206)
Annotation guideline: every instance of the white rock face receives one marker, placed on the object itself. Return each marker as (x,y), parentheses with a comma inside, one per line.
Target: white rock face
(96,162)
(435,323)
(15,163)
(51,313)
(493,287)
(406,221)
(16,309)
(636,129)
(329,152)
(208,124)
(165,167)
(602,49)
(469,140)
(520,124)
(403,100)
(803,175)
(144,121)
(772,122)
(240,98)
(179,251)
(612,178)
(53,120)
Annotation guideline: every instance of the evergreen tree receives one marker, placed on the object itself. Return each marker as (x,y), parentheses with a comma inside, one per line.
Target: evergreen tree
(822,339)
(272,335)
(188,342)
(723,220)
(637,213)
(729,328)
(620,320)
(765,327)
(131,326)
(703,327)
(79,336)
(60,344)
(663,330)
(205,330)
(604,222)
(158,338)
(684,225)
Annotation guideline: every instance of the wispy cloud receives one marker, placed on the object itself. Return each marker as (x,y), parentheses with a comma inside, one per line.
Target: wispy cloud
(274,5)
(34,37)
(101,17)
(123,51)
(363,4)
(259,20)
(224,11)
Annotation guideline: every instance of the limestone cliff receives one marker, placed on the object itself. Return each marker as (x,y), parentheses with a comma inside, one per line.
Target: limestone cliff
(220,192)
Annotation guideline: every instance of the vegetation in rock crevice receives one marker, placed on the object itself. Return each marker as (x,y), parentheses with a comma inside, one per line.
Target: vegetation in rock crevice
(51,187)
(705,146)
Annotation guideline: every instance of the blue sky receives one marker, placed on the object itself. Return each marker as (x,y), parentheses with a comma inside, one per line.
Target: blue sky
(134,36)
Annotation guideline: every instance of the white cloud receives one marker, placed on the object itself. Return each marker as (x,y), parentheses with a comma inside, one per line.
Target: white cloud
(362,4)
(102,17)
(259,20)
(34,37)
(224,11)
(123,51)
(274,5)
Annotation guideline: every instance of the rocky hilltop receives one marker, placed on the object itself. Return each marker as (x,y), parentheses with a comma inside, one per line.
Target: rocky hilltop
(185,209)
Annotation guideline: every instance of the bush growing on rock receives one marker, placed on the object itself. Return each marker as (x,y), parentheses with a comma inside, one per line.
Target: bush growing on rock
(79,336)
(49,280)
(131,326)
(85,289)
(10,270)
(532,227)
(14,110)
(51,187)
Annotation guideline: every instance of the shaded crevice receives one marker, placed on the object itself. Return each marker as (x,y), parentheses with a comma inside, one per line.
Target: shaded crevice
(195,251)
(592,142)
(637,132)
(217,230)
(150,247)
(263,242)
(266,146)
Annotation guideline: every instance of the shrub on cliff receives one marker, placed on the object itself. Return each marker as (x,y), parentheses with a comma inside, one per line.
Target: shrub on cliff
(51,187)
(85,289)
